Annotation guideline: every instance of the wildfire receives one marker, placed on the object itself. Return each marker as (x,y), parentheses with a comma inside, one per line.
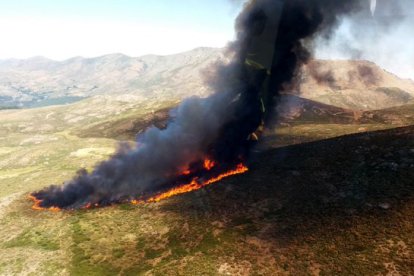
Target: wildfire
(186,172)
(36,206)
(209,164)
(195,184)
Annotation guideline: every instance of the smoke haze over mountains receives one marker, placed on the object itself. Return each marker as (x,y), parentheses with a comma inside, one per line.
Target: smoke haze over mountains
(385,37)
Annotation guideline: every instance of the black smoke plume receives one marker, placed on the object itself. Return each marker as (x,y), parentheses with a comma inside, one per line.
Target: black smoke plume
(216,127)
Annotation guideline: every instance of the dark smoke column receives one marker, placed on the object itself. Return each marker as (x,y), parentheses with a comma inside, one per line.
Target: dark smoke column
(270,47)
(257,28)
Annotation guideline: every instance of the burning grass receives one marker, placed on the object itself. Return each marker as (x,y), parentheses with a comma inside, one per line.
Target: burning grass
(36,206)
(195,184)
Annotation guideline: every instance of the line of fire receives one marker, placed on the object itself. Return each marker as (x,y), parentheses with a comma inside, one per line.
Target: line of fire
(190,154)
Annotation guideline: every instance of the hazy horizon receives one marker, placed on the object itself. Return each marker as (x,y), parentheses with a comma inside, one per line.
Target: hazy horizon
(64,29)
(318,56)
(109,54)
(68,29)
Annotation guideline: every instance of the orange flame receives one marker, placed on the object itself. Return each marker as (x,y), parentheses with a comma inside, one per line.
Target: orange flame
(192,186)
(36,206)
(186,172)
(209,164)
(90,205)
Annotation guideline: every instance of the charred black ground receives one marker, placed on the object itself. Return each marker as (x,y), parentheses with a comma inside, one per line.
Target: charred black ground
(216,127)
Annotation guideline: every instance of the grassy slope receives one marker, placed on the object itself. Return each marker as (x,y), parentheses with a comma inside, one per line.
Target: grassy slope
(301,209)
(49,144)
(312,121)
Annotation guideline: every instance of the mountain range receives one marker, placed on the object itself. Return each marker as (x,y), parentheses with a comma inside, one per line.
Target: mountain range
(38,81)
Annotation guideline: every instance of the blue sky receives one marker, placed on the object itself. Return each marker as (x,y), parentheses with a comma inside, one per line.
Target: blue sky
(61,29)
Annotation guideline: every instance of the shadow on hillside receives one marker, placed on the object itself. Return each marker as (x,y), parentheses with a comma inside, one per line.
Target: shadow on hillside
(305,190)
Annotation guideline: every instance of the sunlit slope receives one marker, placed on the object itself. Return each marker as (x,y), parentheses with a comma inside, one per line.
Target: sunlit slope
(353,85)
(44,146)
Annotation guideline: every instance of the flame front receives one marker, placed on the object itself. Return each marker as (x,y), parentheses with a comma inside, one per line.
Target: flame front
(195,184)
(36,206)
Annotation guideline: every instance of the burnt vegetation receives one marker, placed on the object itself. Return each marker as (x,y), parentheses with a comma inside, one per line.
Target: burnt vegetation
(322,76)
(368,76)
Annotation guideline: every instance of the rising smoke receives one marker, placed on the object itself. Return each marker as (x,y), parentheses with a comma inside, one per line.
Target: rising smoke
(384,36)
(216,127)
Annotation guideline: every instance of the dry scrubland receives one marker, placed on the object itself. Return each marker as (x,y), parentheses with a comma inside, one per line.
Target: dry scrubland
(314,201)
(335,206)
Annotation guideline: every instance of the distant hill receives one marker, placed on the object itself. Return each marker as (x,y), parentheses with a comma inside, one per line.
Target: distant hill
(39,81)
(293,109)
(401,115)
(353,85)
